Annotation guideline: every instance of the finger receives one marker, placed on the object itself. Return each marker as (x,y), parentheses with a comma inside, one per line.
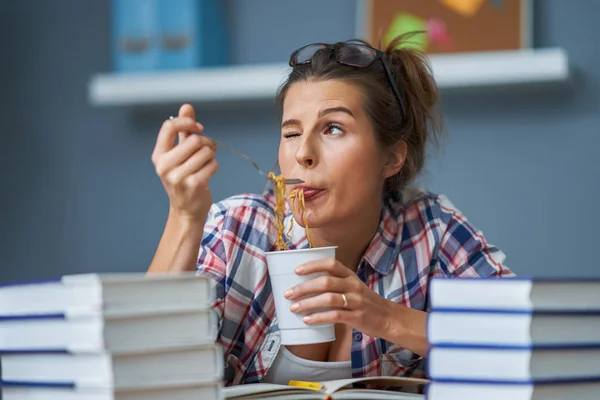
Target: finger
(186,111)
(330,265)
(319,302)
(166,136)
(320,284)
(202,177)
(181,154)
(330,317)
(192,165)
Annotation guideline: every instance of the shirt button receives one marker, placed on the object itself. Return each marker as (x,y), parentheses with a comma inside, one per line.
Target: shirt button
(357,337)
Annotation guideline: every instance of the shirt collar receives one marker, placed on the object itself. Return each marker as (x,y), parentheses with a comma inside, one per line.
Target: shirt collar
(383,249)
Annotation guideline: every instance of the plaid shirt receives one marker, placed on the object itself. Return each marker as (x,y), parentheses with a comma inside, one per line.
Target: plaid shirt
(418,238)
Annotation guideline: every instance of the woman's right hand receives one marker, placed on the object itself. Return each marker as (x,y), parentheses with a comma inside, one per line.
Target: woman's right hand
(186,168)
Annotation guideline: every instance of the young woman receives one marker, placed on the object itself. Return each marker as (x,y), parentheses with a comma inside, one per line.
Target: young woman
(356,122)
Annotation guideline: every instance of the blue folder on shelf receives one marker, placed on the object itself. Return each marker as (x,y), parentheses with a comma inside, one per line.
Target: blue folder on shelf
(150,35)
(193,34)
(134,34)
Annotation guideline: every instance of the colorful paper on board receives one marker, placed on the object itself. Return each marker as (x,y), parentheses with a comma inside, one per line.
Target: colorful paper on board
(466,8)
(404,23)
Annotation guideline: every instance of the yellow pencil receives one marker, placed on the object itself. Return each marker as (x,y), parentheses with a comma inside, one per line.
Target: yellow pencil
(306,385)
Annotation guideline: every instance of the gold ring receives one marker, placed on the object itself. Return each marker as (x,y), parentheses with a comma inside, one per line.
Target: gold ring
(345,301)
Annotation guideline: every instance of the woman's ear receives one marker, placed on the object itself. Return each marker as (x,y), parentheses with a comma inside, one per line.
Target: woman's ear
(396,156)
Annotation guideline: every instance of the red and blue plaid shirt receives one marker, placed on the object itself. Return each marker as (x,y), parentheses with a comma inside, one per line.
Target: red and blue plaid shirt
(418,238)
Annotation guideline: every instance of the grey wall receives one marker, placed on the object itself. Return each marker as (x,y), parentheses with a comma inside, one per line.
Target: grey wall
(78,191)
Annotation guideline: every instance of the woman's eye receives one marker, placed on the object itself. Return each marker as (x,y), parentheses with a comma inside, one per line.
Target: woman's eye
(288,135)
(334,130)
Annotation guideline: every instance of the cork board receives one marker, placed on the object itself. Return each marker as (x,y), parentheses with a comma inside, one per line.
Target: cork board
(451,26)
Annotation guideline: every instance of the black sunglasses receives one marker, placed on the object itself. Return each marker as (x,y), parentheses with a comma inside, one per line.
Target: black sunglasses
(355,55)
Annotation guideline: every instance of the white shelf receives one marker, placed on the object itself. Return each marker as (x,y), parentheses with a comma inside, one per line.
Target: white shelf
(256,82)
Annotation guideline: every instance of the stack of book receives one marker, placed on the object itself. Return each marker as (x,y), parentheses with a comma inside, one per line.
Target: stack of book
(516,339)
(110,337)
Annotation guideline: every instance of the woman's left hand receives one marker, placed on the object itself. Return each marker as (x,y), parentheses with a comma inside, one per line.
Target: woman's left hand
(364,310)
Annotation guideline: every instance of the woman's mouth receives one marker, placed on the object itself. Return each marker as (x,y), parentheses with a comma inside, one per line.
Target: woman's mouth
(311,194)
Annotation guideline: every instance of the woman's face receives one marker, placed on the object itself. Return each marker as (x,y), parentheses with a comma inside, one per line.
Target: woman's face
(329,143)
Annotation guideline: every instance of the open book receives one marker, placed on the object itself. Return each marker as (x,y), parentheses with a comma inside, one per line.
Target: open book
(328,390)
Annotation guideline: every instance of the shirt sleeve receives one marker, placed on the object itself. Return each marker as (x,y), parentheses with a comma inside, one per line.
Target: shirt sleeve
(231,243)
(464,251)
(212,258)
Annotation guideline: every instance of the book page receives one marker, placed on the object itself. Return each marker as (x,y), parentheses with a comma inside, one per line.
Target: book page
(333,386)
(242,391)
(350,394)
(329,387)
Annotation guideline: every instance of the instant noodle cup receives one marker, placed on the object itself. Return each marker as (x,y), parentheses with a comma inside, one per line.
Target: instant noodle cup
(281,266)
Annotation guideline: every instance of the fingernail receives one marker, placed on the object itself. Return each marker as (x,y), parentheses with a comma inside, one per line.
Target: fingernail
(199,125)
(294,307)
(288,293)
(300,270)
(307,319)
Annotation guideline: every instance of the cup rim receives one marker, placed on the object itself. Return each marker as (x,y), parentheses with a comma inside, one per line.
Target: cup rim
(296,251)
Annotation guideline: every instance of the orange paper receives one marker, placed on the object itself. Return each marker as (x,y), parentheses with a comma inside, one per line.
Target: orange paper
(467,8)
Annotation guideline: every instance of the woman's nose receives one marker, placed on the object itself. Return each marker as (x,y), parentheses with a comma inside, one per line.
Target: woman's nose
(306,153)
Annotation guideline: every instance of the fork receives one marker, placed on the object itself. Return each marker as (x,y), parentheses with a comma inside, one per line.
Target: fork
(260,171)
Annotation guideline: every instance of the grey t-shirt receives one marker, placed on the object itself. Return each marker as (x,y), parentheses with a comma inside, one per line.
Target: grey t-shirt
(287,367)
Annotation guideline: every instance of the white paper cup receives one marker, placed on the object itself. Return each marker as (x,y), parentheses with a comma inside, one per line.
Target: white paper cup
(281,266)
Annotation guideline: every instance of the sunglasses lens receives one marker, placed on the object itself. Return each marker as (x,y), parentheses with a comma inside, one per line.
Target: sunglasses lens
(305,54)
(356,55)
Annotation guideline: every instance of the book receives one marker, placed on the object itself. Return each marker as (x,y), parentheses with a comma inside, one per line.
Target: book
(181,367)
(210,391)
(107,292)
(513,364)
(516,294)
(508,327)
(117,332)
(468,390)
(336,389)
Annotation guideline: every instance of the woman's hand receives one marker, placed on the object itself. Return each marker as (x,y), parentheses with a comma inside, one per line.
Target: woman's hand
(365,310)
(186,168)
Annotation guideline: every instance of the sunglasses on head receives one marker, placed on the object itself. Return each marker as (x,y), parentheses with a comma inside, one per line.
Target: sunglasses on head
(355,55)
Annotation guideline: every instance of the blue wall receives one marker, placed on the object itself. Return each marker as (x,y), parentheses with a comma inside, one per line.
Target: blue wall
(78,191)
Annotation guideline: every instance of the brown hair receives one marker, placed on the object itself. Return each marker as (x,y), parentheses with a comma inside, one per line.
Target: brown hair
(419,122)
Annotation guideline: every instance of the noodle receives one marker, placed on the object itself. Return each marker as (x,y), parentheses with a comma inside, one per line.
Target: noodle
(279,182)
(297,198)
